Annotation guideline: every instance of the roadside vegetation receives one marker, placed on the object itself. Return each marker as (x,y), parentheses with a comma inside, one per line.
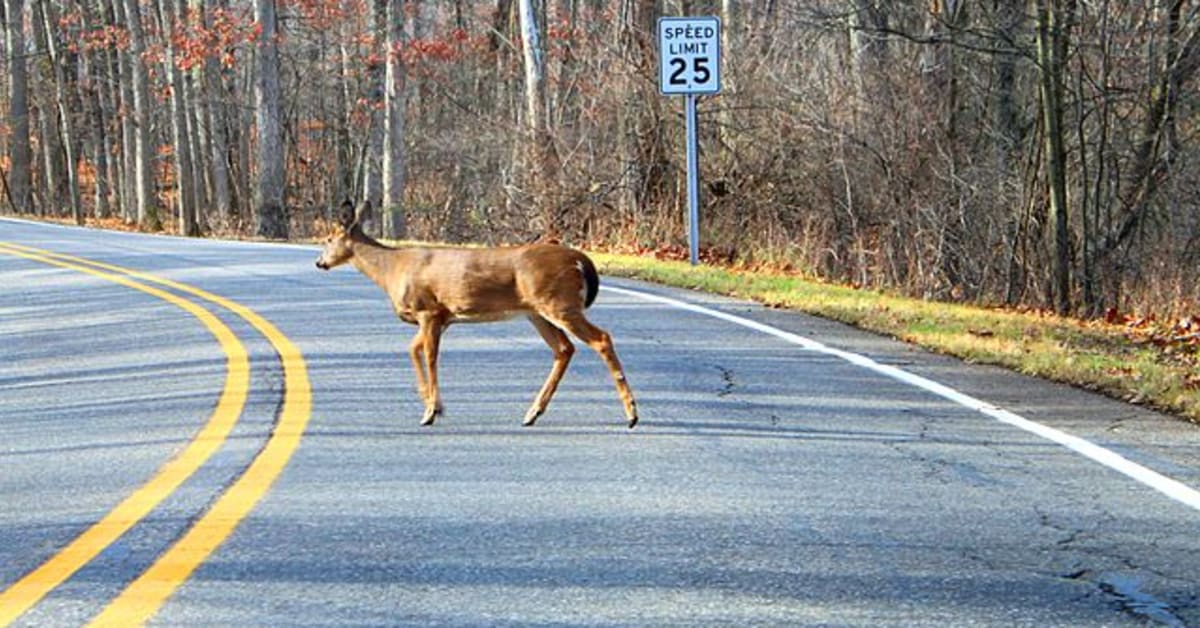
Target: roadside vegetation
(1136,359)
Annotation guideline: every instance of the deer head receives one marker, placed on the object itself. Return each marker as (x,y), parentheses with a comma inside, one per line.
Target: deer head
(337,247)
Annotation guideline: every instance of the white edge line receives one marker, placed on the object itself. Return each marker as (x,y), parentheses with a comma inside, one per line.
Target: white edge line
(1171,488)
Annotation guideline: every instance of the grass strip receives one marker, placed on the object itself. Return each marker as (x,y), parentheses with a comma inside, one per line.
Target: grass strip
(1119,360)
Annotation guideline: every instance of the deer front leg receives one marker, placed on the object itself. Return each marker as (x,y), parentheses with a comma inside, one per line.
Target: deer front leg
(563,350)
(430,332)
(416,352)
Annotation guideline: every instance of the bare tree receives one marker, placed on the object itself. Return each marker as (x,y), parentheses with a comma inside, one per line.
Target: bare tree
(1053,19)
(20,153)
(52,179)
(394,224)
(271,215)
(215,92)
(540,166)
(185,183)
(372,154)
(147,203)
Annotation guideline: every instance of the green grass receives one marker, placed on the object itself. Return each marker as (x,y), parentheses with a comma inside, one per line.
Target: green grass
(1101,357)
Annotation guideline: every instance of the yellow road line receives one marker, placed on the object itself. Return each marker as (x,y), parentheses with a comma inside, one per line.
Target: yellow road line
(27,591)
(146,595)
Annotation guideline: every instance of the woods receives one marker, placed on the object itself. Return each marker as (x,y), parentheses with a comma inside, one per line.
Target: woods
(1039,153)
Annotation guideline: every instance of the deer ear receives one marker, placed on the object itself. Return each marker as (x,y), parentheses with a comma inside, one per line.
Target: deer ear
(363,214)
(346,215)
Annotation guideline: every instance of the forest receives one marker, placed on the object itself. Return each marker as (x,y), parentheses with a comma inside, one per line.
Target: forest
(1023,153)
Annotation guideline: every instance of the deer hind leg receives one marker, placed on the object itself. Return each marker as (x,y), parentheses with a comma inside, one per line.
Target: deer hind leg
(601,343)
(563,350)
(424,355)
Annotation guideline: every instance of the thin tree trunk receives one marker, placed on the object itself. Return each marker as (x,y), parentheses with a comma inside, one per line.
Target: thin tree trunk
(129,127)
(1051,40)
(50,140)
(242,166)
(110,104)
(376,97)
(345,169)
(215,93)
(191,15)
(540,169)
(185,185)
(392,210)
(92,95)
(65,126)
(344,187)
(143,161)
(20,150)
(271,215)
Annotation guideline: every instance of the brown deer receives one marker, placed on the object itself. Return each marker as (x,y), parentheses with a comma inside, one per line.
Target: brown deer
(434,287)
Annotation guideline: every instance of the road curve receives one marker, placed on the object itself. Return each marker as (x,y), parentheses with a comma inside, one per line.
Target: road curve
(767,484)
(34,585)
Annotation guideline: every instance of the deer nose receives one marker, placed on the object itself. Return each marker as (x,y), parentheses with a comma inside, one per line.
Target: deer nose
(322,265)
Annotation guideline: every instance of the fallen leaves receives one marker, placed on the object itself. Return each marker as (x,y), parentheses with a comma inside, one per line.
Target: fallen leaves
(1177,339)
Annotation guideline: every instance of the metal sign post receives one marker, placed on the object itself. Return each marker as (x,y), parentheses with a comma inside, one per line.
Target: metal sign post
(693,180)
(689,63)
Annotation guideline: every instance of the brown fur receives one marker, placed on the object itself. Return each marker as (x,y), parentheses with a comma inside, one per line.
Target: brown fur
(432,288)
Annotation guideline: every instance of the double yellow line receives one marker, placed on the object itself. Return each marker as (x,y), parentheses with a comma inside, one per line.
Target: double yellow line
(142,598)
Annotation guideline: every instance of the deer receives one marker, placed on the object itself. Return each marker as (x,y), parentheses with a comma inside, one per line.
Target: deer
(434,287)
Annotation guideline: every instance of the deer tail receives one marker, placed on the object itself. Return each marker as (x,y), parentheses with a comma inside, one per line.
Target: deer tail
(591,280)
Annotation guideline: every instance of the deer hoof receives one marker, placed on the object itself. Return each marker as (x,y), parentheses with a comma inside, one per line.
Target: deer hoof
(431,415)
(531,417)
(633,422)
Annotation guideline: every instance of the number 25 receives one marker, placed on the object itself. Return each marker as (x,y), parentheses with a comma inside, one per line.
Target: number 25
(700,71)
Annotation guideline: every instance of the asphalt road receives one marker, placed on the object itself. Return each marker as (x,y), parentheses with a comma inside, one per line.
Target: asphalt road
(768,483)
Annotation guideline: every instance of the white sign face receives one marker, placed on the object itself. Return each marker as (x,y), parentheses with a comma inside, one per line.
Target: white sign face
(689,55)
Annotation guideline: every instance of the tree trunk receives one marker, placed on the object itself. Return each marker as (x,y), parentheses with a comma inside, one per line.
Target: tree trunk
(185,184)
(124,93)
(540,169)
(112,104)
(344,168)
(20,151)
(1051,44)
(376,96)
(271,215)
(242,163)
(215,92)
(143,161)
(63,102)
(191,16)
(50,139)
(94,93)
(392,211)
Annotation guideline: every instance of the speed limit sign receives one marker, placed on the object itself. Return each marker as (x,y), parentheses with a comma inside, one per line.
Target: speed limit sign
(689,59)
(689,63)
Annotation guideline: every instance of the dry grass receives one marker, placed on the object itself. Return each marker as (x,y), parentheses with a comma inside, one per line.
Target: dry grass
(1136,360)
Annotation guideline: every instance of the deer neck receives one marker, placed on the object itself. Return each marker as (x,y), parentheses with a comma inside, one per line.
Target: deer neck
(376,261)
